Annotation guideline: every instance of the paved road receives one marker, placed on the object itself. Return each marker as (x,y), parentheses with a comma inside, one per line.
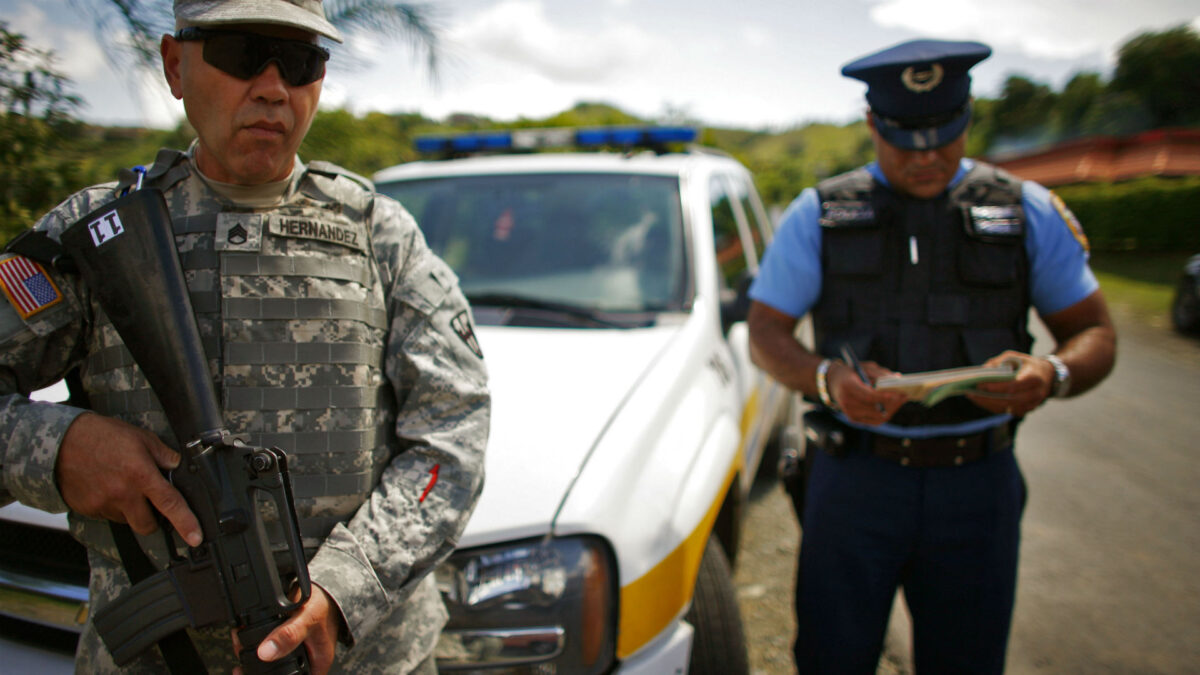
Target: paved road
(1110,571)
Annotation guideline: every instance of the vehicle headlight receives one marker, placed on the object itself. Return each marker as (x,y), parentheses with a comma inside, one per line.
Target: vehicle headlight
(539,607)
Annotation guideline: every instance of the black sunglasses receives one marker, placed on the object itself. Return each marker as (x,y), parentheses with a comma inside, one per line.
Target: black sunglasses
(244,55)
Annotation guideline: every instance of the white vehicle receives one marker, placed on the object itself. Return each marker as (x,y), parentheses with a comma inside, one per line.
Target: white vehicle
(608,291)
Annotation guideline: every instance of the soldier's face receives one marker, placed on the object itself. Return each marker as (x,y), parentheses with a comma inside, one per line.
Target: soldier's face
(249,130)
(923,174)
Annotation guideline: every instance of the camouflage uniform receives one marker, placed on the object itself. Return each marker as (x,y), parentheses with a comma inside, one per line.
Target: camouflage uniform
(335,334)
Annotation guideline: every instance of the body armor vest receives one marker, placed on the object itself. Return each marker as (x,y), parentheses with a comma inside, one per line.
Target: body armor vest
(917,284)
(291,308)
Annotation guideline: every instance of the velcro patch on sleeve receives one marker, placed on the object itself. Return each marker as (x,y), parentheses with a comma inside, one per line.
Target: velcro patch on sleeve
(461,323)
(27,285)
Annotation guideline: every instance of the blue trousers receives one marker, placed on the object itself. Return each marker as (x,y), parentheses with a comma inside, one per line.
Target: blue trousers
(948,536)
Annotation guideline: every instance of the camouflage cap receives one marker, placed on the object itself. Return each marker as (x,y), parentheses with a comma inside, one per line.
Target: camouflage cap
(306,15)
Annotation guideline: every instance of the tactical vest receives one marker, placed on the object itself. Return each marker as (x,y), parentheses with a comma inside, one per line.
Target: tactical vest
(918,284)
(291,308)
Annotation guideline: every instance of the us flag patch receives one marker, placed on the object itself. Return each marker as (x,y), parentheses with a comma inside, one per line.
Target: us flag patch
(27,286)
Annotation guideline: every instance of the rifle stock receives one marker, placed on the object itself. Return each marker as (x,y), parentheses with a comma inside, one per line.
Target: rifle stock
(125,252)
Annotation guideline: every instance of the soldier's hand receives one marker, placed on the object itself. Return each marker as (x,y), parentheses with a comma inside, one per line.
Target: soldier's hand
(314,626)
(109,469)
(860,401)
(1022,395)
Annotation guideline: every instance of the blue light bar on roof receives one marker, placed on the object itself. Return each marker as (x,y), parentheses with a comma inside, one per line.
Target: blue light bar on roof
(671,134)
(560,137)
(432,144)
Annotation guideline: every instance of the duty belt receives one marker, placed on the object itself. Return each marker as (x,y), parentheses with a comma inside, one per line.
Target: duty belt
(938,451)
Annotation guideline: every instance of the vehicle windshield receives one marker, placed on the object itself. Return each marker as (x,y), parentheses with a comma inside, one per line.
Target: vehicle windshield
(607,243)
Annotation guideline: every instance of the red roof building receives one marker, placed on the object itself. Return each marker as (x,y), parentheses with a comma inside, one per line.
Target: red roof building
(1096,159)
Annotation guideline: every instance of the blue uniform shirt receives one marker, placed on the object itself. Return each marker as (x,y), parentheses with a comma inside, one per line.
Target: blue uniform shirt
(789,278)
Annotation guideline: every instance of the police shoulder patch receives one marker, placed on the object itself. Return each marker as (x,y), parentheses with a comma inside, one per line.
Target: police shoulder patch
(27,286)
(1071,221)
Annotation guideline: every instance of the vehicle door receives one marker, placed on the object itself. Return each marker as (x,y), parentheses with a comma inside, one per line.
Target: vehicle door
(740,234)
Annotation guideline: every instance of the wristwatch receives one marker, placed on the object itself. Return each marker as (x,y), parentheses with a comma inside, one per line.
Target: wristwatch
(1062,377)
(823,384)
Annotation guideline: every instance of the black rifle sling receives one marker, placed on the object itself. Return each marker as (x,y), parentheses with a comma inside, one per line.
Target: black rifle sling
(177,648)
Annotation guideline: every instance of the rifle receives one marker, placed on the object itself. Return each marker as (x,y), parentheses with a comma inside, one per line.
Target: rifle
(125,252)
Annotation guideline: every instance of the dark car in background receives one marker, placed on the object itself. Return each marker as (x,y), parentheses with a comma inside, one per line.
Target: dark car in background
(1185,308)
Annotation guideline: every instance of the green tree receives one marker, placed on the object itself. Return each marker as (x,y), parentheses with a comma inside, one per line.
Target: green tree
(1020,114)
(363,145)
(1117,113)
(1082,92)
(1163,71)
(37,119)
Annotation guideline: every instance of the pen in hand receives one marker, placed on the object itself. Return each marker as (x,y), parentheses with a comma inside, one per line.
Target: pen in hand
(852,359)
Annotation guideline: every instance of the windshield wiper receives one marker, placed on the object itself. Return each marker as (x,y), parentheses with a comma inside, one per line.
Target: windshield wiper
(580,312)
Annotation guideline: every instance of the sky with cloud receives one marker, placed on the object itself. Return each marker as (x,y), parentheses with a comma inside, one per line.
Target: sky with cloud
(750,64)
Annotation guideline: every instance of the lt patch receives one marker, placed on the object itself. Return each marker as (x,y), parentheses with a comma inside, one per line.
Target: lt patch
(305,228)
(28,287)
(1071,221)
(461,323)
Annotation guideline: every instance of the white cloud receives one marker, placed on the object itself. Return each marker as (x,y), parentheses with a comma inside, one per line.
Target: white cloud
(757,36)
(519,32)
(76,51)
(1055,29)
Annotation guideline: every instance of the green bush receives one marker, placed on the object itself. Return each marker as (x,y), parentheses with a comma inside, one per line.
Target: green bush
(1147,214)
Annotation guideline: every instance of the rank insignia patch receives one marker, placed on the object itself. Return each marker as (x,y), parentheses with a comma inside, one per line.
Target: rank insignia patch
(28,287)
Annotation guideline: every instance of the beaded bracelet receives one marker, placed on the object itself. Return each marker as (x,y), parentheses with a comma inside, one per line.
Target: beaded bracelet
(823,384)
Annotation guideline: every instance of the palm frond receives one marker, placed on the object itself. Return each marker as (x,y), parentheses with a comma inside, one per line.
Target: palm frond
(132,28)
(417,22)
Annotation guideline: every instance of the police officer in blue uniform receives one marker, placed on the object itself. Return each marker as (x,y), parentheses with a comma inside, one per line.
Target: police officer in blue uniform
(922,260)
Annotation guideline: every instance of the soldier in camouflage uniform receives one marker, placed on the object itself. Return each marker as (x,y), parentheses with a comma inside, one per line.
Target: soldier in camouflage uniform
(331,329)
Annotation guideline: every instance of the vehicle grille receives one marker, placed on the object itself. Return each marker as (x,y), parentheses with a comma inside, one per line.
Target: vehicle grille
(41,552)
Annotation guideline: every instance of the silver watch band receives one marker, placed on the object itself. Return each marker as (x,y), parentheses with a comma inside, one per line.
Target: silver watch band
(1062,377)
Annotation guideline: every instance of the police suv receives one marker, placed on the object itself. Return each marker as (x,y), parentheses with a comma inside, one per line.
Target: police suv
(608,290)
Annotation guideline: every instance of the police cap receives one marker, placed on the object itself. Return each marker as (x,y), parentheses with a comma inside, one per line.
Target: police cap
(307,15)
(919,91)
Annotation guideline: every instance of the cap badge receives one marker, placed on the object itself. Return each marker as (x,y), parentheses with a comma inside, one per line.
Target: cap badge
(922,81)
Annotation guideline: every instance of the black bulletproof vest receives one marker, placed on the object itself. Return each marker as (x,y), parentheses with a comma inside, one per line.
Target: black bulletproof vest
(924,284)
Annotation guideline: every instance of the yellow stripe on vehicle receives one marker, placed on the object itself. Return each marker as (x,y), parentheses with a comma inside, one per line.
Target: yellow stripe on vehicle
(750,414)
(650,603)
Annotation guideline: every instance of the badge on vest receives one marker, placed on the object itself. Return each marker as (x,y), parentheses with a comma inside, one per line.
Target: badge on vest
(303,227)
(239,232)
(997,222)
(847,214)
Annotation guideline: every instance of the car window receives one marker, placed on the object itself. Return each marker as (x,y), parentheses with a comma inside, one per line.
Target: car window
(607,242)
(742,191)
(727,239)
